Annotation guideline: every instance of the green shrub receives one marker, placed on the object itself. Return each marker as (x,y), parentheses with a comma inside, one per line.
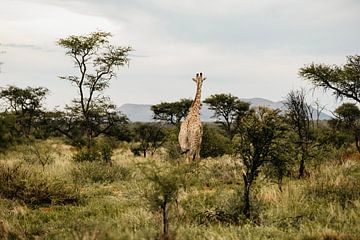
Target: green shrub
(35,188)
(98,172)
(173,150)
(105,147)
(214,143)
(102,150)
(87,155)
(163,192)
(136,150)
(105,153)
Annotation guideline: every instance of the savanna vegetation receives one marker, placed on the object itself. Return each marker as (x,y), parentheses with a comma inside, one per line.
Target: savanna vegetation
(87,172)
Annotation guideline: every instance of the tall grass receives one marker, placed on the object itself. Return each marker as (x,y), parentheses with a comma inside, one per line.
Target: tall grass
(93,200)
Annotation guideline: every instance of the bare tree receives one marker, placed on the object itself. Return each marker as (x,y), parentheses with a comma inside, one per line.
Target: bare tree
(299,115)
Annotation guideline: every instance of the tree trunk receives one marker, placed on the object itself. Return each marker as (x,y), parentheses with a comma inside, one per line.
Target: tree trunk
(246,197)
(302,160)
(89,138)
(302,166)
(279,182)
(357,142)
(165,222)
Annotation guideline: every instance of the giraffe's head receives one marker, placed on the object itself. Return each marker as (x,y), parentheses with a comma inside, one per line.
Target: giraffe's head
(199,78)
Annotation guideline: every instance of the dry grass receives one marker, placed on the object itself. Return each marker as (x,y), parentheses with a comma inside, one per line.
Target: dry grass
(118,210)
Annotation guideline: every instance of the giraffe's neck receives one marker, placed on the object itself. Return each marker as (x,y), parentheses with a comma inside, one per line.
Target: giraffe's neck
(197,100)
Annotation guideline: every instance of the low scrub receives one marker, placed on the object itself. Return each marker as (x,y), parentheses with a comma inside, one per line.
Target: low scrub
(99,172)
(35,188)
(41,154)
(86,155)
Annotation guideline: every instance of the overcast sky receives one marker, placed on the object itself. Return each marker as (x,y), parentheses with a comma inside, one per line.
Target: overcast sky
(247,48)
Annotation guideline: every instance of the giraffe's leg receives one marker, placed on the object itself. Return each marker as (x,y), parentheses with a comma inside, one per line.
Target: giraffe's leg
(191,156)
(188,157)
(197,155)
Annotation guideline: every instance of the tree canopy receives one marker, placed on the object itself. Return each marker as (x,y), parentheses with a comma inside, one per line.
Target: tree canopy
(171,112)
(25,106)
(227,109)
(343,81)
(347,119)
(96,61)
(255,144)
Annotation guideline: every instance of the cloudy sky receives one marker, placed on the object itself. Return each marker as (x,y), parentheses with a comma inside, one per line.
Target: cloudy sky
(245,47)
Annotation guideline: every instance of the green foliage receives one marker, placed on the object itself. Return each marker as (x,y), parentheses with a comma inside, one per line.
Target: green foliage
(171,143)
(348,117)
(149,137)
(24,101)
(97,172)
(106,146)
(87,155)
(334,137)
(281,161)
(24,108)
(214,143)
(172,112)
(228,109)
(165,184)
(173,150)
(341,80)
(6,138)
(35,188)
(101,151)
(96,61)
(349,113)
(299,117)
(105,120)
(256,144)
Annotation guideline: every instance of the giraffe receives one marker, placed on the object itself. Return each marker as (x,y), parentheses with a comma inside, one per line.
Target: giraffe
(191,131)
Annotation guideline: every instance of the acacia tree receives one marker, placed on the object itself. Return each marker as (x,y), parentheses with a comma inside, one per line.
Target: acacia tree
(227,109)
(96,61)
(299,116)
(24,105)
(342,81)
(348,116)
(256,144)
(171,112)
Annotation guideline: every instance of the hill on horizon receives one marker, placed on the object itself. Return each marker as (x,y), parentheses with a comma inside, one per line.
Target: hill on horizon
(143,113)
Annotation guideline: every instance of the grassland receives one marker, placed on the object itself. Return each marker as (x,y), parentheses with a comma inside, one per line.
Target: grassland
(68,200)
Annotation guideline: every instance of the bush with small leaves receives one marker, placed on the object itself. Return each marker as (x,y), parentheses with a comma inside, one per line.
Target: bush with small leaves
(105,147)
(39,154)
(214,143)
(163,192)
(87,155)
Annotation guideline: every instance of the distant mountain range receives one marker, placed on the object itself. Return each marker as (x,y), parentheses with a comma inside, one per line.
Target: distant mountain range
(143,113)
